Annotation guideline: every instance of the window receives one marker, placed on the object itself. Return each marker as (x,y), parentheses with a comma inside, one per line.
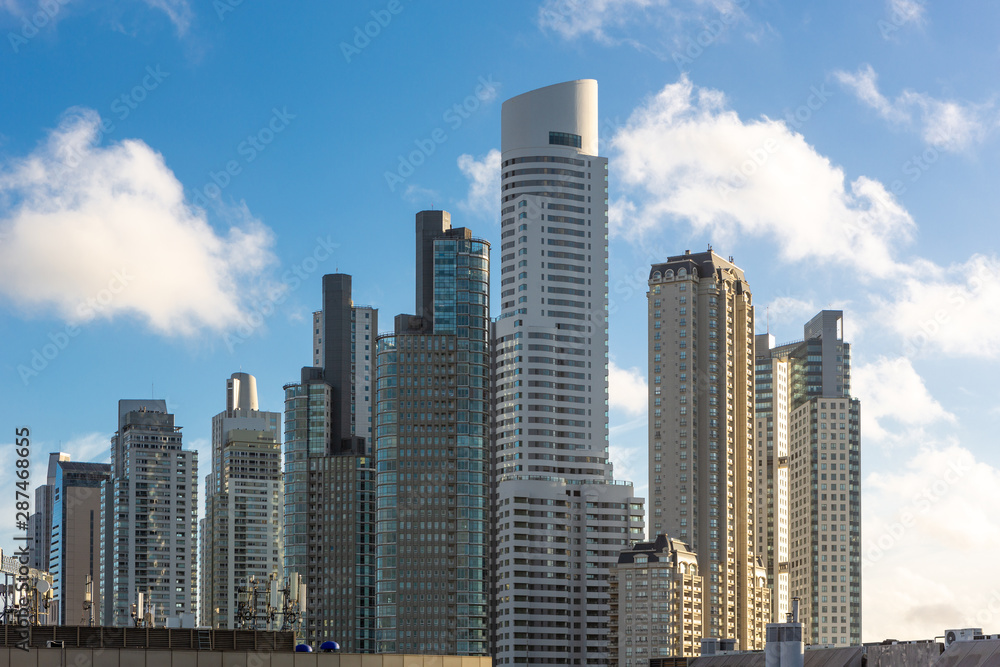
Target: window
(565,139)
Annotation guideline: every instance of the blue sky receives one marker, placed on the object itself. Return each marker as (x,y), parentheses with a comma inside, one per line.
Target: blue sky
(175,178)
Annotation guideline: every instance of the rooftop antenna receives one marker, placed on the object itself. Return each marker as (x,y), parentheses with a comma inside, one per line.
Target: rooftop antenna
(767,318)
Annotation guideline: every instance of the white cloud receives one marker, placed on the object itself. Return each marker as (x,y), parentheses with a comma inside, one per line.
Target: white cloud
(948,310)
(783,310)
(684,156)
(611,21)
(94,231)
(627,389)
(891,390)
(178,11)
(904,12)
(917,517)
(944,124)
(484,183)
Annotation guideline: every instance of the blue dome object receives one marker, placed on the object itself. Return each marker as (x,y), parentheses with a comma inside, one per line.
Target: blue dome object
(303,648)
(329,646)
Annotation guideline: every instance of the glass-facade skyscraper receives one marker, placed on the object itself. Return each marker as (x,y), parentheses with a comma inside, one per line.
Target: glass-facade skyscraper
(432,450)
(329,511)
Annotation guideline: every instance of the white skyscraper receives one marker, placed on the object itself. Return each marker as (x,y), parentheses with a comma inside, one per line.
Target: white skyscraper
(150,520)
(561,518)
(241,533)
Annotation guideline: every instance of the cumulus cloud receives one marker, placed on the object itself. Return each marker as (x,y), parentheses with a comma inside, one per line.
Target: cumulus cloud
(894,399)
(684,156)
(627,389)
(92,231)
(949,310)
(945,124)
(484,183)
(916,517)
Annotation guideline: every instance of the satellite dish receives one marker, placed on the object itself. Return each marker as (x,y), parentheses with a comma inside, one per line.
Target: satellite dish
(42,586)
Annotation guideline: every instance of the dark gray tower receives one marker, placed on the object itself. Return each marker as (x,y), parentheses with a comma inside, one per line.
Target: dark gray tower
(338,311)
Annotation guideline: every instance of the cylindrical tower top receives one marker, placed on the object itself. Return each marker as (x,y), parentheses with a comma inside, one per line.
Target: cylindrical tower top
(552,115)
(242,392)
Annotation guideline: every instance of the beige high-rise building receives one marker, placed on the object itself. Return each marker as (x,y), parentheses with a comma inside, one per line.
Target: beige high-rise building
(656,603)
(819,474)
(701,434)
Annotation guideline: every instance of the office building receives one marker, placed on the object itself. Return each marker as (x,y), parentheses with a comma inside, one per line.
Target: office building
(149,522)
(75,558)
(824,478)
(701,434)
(561,517)
(432,447)
(656,603)
(241,535)
(39,531)
(329,501)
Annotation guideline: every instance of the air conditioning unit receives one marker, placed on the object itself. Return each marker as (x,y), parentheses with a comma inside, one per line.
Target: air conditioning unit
(963,635)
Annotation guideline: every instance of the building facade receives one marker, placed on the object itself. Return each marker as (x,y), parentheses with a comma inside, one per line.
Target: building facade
(329,475)
(432,442)
(771,376)
(561,518)
(701,434)
(656,603)
(75,558)
(824,479)
(150,519)
(39,532)
(241,533)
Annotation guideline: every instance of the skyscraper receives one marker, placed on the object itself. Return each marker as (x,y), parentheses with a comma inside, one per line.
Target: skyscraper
(39,531)
(75,559)
(329,512)
(241,532)
(432,442)
(771,532)
(561,517)
(150,518)
(823,479)
(701,434)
